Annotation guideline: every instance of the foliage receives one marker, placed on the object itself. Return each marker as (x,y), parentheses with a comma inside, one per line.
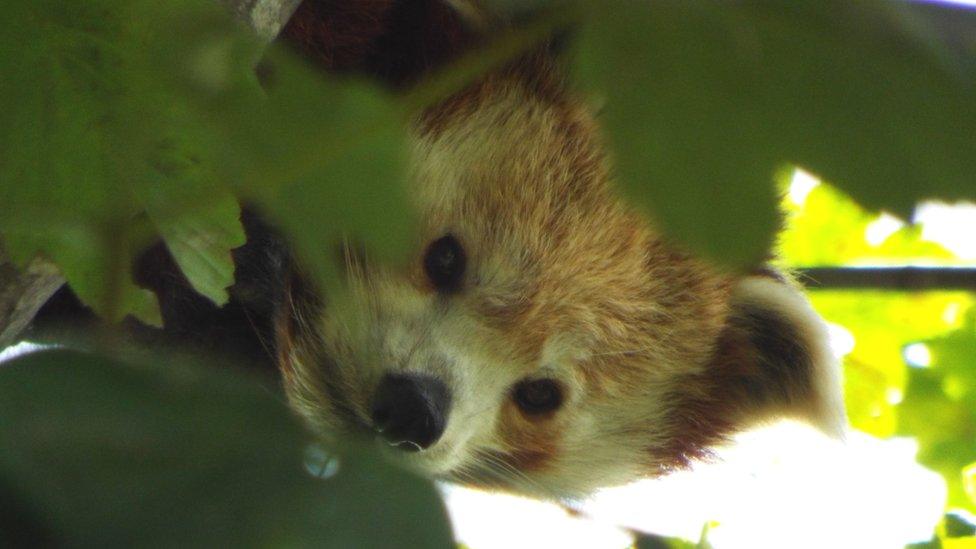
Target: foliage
(115,132)
(954,532)
(707,102)
(652,541)
(884,395)
(94,144)
(659,542)
(829,229)
(126,120)
(120,451)
(940,410)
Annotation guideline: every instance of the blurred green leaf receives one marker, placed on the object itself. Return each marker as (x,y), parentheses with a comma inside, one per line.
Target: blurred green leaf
(958,543)
(829,228)
(323,158)
(939,409)
(84,146)
(114,118)
(653,541)
(61,196)
(341,146)
(682,153)
(969,481)
(882,323)
(958,526)
(198,219)
(707,101)
(100,452)
(930,544)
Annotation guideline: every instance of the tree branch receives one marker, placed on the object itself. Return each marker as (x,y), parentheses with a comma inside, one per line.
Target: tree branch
(266,17)
(889,278)
(22,293)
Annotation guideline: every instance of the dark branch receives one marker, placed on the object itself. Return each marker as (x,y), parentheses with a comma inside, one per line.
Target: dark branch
(889,278)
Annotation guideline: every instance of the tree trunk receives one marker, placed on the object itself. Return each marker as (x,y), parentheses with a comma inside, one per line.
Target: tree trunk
(22,293)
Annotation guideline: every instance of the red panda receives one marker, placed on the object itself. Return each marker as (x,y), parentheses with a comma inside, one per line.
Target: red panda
(544,338)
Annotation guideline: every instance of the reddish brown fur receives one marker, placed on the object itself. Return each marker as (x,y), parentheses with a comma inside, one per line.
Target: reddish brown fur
(339,35)
(709,406)
(536,70)
(534,440)
(394,41)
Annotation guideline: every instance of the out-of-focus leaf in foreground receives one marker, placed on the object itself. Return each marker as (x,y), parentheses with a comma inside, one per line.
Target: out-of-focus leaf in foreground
(109,122)
(707,101)
(87,134)
(100,452)
(321,157)
(197,217)
(650,541)
(955,531)
(939,410)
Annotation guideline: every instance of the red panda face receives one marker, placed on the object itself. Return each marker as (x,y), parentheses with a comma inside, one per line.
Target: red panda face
(543,338)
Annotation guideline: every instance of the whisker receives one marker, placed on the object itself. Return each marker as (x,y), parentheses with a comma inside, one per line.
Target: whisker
(506,472)
(624,352)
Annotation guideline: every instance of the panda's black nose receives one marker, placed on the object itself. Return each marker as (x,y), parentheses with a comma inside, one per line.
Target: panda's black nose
(410,411)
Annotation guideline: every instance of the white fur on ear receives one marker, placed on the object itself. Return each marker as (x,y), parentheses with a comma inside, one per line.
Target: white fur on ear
(824,407)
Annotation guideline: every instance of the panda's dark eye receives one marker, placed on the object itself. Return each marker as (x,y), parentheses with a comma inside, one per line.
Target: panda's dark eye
(538,396)
(444,264)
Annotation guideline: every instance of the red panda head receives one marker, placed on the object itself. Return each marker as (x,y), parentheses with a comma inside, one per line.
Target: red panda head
(544,338)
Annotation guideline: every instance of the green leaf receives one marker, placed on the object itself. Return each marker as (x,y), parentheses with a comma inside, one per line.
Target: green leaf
(94,259)
(323,158)
(930,544)
(939,410)
(83,128)
(654,541)
(101,452)
(356,196)
(59,195)
(958,526)
(689,154)
(882,324)
(201,245)
(197,218)
(705,102)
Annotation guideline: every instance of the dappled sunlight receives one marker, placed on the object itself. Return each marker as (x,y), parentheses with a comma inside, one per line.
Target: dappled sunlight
(881,228)
(801,184)
(826,227)
(841,340)
(484,520)
(951,225)
(917,355)
(783,485)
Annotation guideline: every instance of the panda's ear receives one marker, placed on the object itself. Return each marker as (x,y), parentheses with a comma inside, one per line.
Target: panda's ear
(774,359)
